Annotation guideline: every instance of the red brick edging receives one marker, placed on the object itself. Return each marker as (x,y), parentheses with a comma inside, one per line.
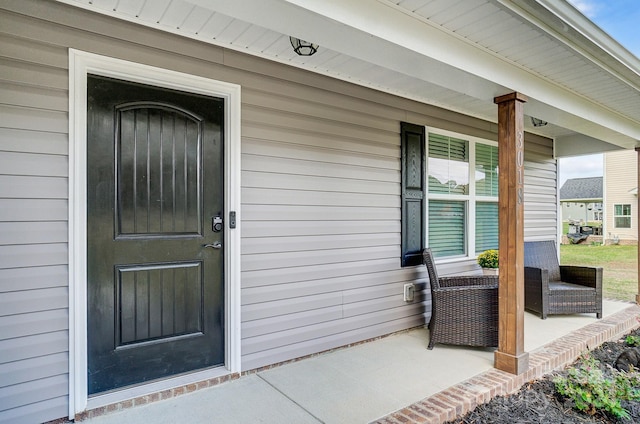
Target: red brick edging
(457,400)
(153,397)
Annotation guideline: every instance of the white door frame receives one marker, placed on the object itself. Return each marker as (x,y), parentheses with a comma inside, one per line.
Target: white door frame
(83,63)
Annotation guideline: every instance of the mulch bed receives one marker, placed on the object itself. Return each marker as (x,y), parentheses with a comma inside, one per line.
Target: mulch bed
(538,402)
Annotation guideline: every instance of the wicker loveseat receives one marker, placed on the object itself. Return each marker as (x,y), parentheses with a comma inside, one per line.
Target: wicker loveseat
(554,289)
(464,308)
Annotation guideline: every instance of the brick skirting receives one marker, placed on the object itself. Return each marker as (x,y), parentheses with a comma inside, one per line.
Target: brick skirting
(153,397)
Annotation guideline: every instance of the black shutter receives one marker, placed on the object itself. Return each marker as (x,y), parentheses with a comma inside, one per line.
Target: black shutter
(413,193)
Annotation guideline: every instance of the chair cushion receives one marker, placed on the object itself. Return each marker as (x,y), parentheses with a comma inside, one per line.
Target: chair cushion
(561,285)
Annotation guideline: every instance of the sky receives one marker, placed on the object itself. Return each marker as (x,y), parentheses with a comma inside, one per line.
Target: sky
(620,19)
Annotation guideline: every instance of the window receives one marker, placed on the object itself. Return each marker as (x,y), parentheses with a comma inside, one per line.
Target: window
(449,194)
(622,216)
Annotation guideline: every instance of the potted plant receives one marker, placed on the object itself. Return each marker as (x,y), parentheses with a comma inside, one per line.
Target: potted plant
(488,260)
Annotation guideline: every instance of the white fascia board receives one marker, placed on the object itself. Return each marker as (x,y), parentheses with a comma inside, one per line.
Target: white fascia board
(589,30)
(381,33)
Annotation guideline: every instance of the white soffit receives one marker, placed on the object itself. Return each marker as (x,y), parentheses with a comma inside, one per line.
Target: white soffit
(458,54)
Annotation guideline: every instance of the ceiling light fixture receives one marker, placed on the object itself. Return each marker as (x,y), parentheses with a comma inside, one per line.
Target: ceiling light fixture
(303,48)
(538,122)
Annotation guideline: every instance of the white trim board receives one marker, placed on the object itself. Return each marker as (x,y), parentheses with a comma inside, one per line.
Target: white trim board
(80,64)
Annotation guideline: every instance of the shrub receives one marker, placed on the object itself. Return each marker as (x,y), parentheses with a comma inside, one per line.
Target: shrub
(632,340)
(488,259)
(591,391)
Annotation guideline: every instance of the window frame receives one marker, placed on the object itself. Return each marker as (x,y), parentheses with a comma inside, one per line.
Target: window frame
(616,216)
(471,199)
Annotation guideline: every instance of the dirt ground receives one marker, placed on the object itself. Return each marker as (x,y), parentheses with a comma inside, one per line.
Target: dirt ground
(537,401)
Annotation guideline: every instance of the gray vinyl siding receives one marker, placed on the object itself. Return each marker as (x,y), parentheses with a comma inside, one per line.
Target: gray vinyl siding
(321,223)
(34,341)
(320,199)
(541,203)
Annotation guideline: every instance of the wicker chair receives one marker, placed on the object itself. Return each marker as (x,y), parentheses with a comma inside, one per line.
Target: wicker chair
(464,308)
(554,289)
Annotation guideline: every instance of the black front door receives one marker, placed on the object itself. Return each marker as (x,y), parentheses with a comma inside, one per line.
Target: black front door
(155,292)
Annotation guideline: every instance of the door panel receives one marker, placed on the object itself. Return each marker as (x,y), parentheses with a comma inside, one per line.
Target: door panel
(154,185)
(158,301)
(158,185)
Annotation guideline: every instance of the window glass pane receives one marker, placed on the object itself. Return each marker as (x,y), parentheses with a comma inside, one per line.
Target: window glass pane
(617,209)
(486,226)
(486,174)
(622,222)
(448,165)
(626,209)
(447,228)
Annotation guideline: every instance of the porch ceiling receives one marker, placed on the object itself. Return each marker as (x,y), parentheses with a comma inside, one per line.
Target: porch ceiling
(457,54)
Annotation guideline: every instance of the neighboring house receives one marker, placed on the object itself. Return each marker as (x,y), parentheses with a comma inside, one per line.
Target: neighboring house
(183,198)
(581,199)
(621,197)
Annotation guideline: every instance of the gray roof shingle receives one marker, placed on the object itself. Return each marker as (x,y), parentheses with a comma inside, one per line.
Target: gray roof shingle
(581,188)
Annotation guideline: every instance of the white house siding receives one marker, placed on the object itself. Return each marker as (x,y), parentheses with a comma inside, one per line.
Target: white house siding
(320,199)
(620,178)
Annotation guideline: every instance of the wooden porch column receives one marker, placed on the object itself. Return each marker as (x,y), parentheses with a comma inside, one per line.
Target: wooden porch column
(510,356)
(637,218)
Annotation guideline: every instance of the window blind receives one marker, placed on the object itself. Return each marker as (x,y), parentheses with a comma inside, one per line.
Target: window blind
(447,227)
(486,170)
(486,226)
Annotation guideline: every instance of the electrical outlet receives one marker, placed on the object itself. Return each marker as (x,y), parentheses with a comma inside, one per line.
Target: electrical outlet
(409,292)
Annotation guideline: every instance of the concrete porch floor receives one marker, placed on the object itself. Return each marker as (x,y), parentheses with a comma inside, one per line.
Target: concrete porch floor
(391,380)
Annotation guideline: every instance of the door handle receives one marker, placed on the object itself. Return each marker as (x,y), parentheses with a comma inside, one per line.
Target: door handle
(215,245)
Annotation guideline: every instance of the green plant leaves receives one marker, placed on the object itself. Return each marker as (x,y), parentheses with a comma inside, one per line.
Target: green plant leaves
(488,259)
(586,385)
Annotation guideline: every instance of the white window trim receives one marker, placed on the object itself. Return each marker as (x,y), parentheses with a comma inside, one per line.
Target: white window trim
(470,199)
(80,64)
(622,216)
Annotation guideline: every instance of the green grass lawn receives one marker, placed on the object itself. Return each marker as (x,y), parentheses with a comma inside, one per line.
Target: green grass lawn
(620,265)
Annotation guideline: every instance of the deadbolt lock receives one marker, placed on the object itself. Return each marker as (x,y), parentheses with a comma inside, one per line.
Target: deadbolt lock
(216,224)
